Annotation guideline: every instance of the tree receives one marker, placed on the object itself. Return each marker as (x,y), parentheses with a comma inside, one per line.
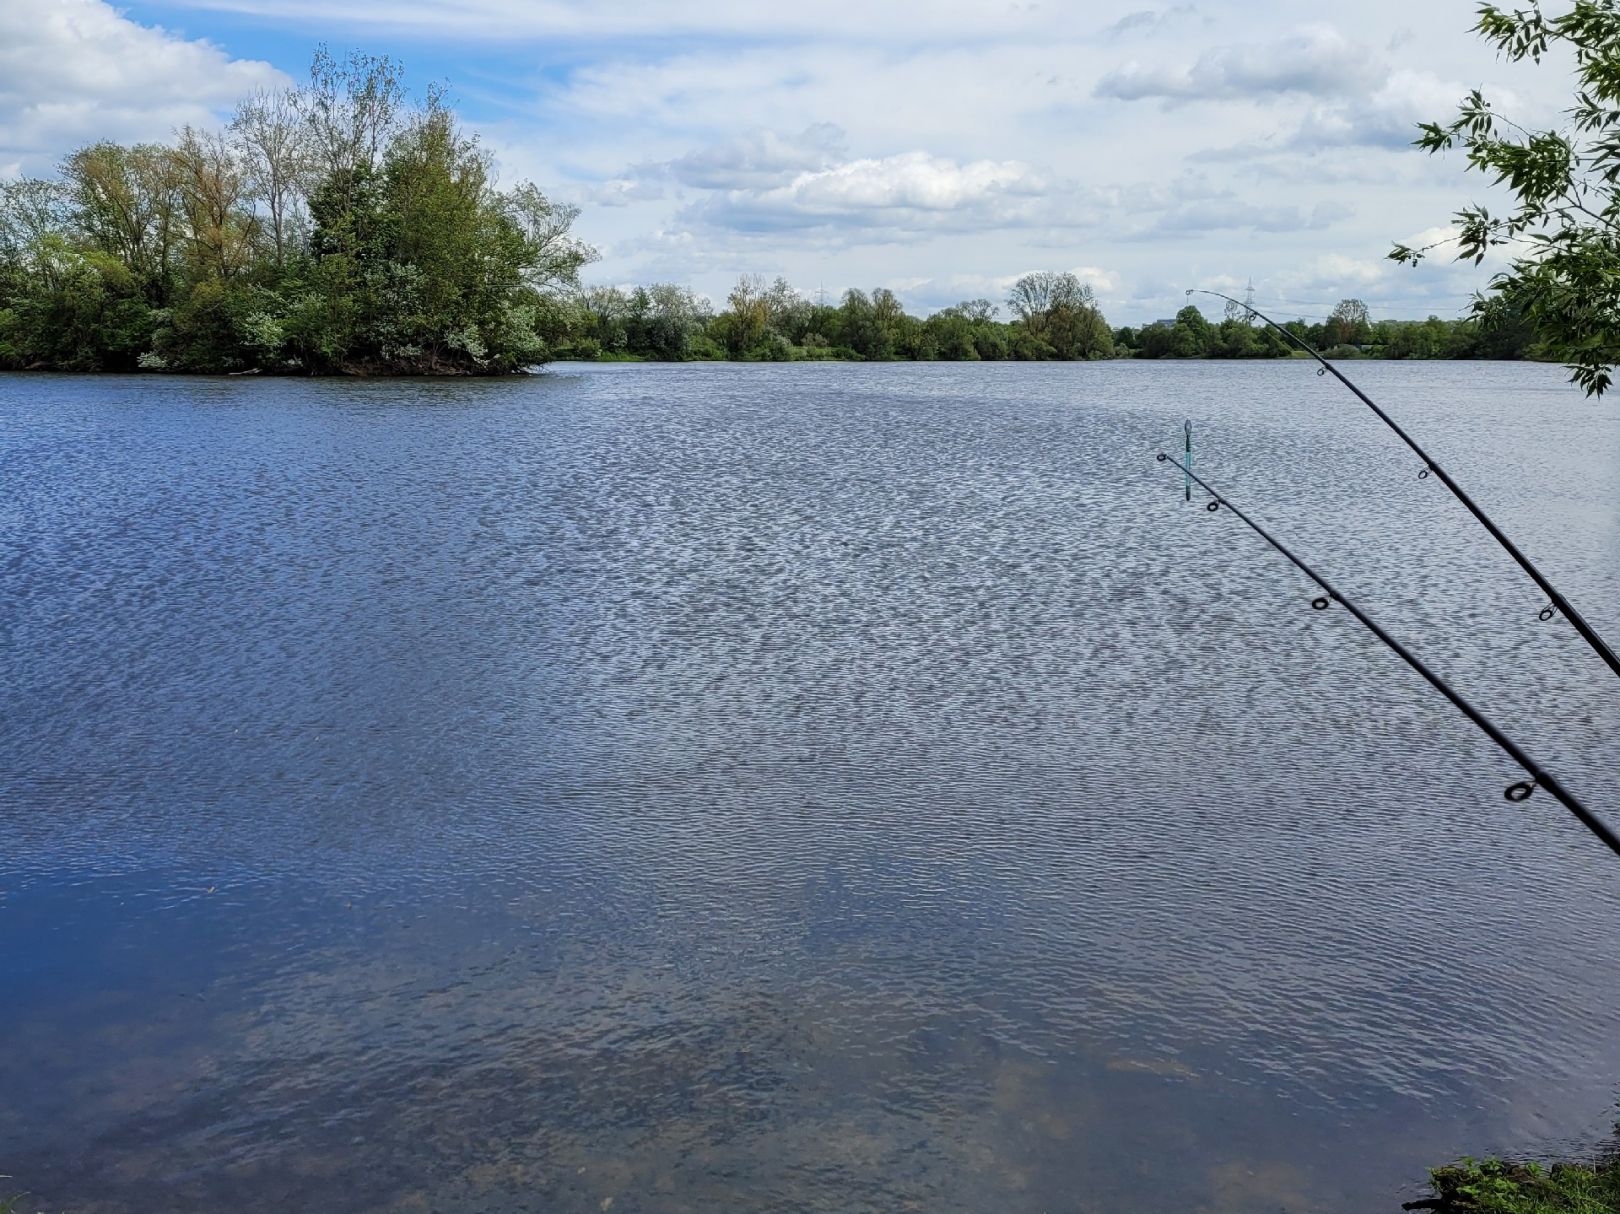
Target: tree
(747,319)
(1563,229)
(1348,324)
(664,321)
(211,185)
(786,311)
(123,202)
(351,110)
(865,323)
(1061,313)
(341,228)
(268,129)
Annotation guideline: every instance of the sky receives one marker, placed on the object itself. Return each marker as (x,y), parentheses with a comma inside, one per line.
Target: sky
(939,148)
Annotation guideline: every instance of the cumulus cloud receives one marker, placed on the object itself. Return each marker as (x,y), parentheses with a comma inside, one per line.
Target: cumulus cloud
(911,191)
(1386,117)
(760,158)
(1317,60)
(1104,282)
(77,70)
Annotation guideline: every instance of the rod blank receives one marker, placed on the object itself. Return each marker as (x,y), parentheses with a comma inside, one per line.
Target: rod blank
(1538,776)
(1559,602)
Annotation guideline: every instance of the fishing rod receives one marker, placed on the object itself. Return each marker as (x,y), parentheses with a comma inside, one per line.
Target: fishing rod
(1556,602)
(1539,778)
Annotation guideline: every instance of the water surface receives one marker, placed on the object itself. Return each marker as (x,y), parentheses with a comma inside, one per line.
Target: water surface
(795,787)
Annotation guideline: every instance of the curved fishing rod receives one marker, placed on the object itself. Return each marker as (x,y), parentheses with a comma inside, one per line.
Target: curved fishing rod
(1557,602)
(1539,778)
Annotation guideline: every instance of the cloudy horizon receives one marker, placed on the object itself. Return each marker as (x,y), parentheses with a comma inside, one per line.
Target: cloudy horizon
(940,150)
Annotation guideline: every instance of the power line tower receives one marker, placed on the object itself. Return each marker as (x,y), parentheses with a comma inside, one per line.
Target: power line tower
(1242,311)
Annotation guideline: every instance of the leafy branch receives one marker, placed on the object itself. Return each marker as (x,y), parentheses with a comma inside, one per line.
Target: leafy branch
(1565,218)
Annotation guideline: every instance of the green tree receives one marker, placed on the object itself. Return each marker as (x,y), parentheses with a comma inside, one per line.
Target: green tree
(341,228)
(1060,312)
(1563,229)
(1348,324)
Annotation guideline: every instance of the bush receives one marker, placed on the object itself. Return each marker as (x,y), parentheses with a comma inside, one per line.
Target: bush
(1495,1186)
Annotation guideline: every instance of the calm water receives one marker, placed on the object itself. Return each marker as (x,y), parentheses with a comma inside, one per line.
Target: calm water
(794,788)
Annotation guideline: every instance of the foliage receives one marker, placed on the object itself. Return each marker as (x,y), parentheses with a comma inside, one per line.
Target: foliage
(1055,317)
(1563,228)
(772,322)
(338,228)
(1498,1187)
(1061,312)
(1497,331)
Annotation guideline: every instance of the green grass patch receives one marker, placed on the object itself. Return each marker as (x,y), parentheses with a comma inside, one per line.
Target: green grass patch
(1496,1186)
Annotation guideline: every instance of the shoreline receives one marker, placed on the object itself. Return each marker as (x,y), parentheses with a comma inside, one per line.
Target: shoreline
(642,360)
(1502,1186)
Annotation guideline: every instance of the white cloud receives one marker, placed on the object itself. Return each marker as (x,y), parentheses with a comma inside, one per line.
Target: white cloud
(1385,117)
(72,71)
(759,158)
(907,192)
(1104,282)
(1318,60)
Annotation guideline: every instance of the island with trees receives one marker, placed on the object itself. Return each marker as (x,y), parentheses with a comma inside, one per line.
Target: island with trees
(335,229)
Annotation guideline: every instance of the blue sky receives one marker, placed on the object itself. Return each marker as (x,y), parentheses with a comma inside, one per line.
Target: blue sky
(937,147)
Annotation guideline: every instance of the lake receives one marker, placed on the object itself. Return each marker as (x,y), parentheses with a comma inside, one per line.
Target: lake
(806,787)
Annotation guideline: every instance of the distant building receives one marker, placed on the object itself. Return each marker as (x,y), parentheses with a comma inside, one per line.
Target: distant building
(1164,324)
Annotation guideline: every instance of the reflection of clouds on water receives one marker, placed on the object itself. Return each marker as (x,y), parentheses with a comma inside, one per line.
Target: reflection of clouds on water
(814,787)
(449,1060)
(455,1058)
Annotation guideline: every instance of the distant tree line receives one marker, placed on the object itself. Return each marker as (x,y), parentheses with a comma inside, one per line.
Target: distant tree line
(1052,316)
(337,228)
(1497,331)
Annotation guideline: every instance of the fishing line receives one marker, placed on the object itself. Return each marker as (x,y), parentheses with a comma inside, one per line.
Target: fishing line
(1538,777)
(1557,603)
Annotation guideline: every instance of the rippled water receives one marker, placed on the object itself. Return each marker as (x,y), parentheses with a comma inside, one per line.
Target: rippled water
(809,787)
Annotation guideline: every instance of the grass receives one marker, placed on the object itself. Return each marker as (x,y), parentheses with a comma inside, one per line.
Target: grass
(1495,1186)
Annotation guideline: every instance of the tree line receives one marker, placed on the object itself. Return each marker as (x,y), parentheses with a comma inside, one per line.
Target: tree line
(1053,316)
(1049,316)
(337,228)
(1499,331)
